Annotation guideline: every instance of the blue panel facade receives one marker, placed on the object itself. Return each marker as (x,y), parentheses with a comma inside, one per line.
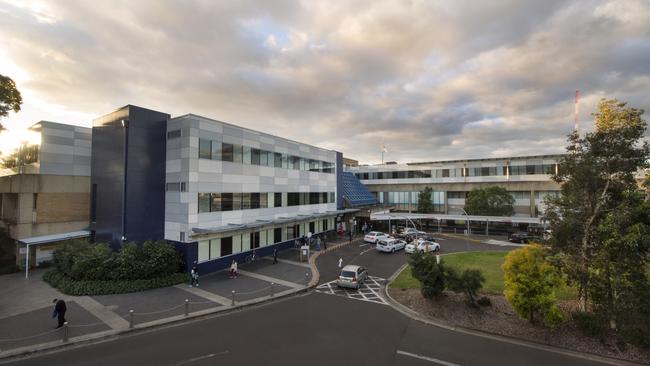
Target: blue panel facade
(339,181)
(128,174)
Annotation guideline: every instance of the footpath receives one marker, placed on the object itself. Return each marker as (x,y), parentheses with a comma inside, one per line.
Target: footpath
(27,326)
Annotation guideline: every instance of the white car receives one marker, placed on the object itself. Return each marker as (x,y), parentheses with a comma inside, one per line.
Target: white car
(412,231)
(390,245)
(373,236)
(422,246)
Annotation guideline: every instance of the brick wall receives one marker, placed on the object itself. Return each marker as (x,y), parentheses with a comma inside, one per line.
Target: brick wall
(62,207)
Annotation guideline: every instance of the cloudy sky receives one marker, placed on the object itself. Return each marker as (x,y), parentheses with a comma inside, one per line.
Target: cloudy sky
(429,79)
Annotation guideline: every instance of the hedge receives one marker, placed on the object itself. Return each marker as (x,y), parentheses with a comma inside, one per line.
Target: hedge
(105,287)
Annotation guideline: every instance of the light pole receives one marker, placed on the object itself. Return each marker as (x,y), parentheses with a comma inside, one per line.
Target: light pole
(466,231)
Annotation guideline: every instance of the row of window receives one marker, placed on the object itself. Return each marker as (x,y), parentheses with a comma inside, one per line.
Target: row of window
(464,172)
(438,197)
(215,202)
(217,248)
(217,150)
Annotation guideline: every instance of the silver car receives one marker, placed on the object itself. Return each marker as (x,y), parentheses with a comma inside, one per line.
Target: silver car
(352,276)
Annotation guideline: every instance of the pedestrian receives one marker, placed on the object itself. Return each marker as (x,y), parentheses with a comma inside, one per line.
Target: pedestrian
(233,269)
(340,262)
(275,255)
(296,243)
(59,311)
(364,228)
(318,243)
(351,236)
(194,277)
(325,242)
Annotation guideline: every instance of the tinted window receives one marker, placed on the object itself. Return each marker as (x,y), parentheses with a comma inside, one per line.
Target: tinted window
(226,152)
(226,246)
(204,149)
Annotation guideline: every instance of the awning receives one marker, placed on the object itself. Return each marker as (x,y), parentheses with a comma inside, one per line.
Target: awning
(35,240)
(412,216)
(262,223)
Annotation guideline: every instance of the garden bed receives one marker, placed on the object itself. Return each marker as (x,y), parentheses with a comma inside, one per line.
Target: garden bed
(501,319)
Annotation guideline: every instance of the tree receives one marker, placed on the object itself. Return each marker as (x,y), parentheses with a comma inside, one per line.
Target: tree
(468,282)
(10,98)
(489,201)
(429,272)
(424,201)
(530,282)
(595,176)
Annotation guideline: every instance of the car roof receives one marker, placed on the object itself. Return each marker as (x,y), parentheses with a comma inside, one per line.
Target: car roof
(351,267)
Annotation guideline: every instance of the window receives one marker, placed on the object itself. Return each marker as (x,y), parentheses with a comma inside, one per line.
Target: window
(204,149)
(263,200)
(445,173)
(237,154)
(173,187)
(216,202)
(173,134)
(247,155)
(215,248)
(255,200)
(292,199)
(277,235)
(204,202)
(226,202)
(264,158)
(277,198)
(237,199)
(226,246)
(204,251)
(255,239)
(183,187)
(246,201)
(312,227)
(325,225)
(255,156)
(277,160)
(216,150)
(227,151)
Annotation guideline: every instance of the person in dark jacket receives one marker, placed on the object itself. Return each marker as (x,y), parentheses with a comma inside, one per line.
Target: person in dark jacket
(59,311)
(275,256)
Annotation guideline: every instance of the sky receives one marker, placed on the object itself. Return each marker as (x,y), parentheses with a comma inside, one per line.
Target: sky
(430,80)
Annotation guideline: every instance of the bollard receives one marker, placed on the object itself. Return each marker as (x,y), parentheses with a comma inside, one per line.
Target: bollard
(187,307)
(272,290)
(233,298)
(65,331)
(131,319)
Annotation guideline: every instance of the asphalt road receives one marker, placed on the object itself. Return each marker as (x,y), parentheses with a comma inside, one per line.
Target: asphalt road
(314,329)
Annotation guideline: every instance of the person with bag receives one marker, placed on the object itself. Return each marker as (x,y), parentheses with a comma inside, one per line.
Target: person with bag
(233,269)
(194,277)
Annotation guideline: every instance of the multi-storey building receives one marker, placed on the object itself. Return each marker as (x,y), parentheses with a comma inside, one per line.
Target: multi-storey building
(217,190)
(527,178)
(44,197)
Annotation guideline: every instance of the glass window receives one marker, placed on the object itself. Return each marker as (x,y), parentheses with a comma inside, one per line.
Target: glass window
(236,244)
(263,200)
(226,202)
(303,164)
(216,150)
(246,201)
(445,173)
(277,198)
(204,202)
(226,246)
(204,149)
(285,161)
(237,201)
(237,155)
(277,160)
(216,202)
(292,199)
(255,156)
(204,251)
(530,169)
(255,200)
(226,152)
(255,239)
(277,235)
(270,201)
(247,155)
(264,156)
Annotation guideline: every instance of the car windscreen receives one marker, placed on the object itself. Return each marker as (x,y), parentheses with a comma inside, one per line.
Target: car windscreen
(347,274)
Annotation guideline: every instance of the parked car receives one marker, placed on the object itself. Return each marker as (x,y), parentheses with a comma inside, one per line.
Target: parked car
(373,236)
(412,231)
(352,276)
(522,237)
(422,246)
(390,245)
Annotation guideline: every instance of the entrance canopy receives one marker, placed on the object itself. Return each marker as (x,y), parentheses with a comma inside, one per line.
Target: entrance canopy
(438,217)
(45,239)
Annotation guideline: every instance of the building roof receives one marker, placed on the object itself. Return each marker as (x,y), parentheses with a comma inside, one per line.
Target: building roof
(355,193)
(35,240)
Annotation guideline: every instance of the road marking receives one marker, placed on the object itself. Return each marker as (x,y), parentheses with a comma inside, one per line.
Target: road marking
(287,261)
(277,281)
(103,313)
(366,251)
(369,291)
(425,358)
(363,245)
(200,358)
(205,294)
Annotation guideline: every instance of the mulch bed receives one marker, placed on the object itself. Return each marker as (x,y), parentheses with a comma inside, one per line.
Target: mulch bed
(500,318)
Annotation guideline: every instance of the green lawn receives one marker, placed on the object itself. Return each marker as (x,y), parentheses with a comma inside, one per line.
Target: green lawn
(488,262)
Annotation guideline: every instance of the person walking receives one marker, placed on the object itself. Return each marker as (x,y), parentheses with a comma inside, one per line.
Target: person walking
(351,236)
(275,255)
(340,263)
(59,311)
(194,277)
(324,242)
(233,269)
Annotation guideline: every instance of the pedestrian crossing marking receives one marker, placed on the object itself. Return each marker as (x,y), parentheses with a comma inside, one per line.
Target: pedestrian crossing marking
(368,291)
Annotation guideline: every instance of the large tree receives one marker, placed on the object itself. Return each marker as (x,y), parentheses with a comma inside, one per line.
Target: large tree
(489,201)
(424,201)
(597,179)
(10,98)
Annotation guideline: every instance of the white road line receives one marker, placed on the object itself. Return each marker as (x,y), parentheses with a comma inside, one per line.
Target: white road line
(363,245)
(293,263)
(200,358)
(366,251)
(205,294)
(425,358)
(270,279)
(102,312)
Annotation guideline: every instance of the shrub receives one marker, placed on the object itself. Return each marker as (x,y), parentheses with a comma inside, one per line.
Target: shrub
(104,287)
(468,282)
(530,283)
(484,301)
(431,274)
(590,324)
(159,259)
